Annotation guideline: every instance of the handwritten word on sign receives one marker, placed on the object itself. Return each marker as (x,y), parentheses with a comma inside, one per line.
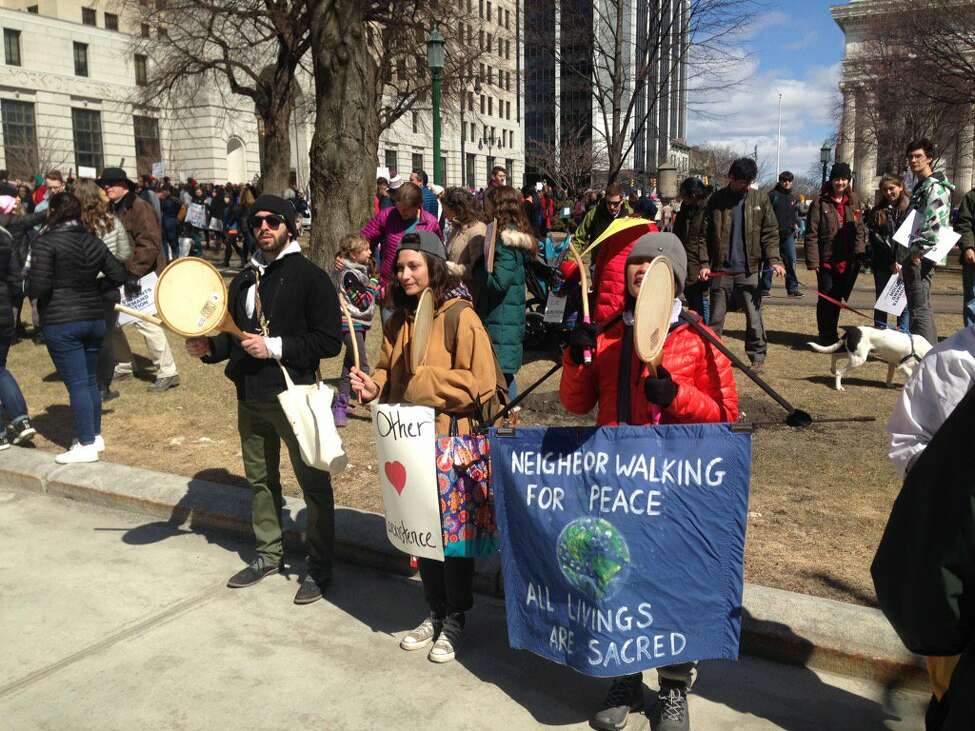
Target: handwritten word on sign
(405,441)
(623,548)
(144,301)
(893,299)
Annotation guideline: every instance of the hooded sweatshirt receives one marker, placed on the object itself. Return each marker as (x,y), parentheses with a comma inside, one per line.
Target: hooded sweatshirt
(931,198)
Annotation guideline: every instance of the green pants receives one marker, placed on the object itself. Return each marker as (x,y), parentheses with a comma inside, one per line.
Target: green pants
(262,426)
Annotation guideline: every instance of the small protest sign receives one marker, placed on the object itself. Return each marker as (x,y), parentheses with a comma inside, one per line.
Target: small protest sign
(622,548)
(893,299)
(947,238)
(144,301)
(87,172)
(908,229)
(196,215)
(158,169)
(405,440)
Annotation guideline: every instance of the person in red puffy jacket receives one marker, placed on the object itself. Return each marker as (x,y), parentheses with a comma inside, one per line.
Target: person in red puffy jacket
(694,384)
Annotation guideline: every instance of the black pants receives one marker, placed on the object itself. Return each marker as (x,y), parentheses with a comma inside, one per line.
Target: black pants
(838,286)
(105,369)
(448,586)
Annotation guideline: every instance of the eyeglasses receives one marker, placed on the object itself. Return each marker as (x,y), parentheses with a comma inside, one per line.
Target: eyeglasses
(273,221)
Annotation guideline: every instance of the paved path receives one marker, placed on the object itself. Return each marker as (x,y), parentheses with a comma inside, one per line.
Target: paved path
(111,621)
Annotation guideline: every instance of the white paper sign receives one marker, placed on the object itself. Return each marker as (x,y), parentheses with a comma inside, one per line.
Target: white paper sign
(908,229)
(86,172)
(145,301)
(158,169)
(383,172)
(196,215)
(894,298)
(554,308)
(406,443)
(947,238)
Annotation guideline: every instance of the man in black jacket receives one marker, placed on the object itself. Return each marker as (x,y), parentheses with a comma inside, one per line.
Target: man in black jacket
(289,312)
(785,203)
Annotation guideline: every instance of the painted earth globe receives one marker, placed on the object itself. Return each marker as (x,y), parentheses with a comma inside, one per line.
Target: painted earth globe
(593,557)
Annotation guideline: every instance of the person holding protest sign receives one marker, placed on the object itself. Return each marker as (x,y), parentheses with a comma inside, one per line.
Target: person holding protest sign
(289,312)
(453,381)
(694,384)
(886,255)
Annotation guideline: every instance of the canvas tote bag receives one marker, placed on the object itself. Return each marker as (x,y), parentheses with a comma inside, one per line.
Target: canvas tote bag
(309,410)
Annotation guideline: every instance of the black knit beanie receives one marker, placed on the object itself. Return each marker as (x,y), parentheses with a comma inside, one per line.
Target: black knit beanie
(840,170)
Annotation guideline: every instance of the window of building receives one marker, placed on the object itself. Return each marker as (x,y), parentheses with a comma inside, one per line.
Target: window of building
(162,33)
(469,171)
(443,167)
(480,72)
(111,21)
(507,20)
(500,47)
(490,43)
(34,9)
(499,15)
(488,13)
(19,138)
(507,49)
(11,47)
(144,30)
(417,161)
(480,39)
(80,59)
(401,69)
(483,104)
(147,147)
(141,70)
(490,166)
(416,123)
(490,105)
(88,16)
(390,161)
(507,112)
(470,101)
(510,166)
(480,8)
(87,126)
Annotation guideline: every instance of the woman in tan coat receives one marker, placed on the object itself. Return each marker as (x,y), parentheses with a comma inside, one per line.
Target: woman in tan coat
(450,381)
(465,244)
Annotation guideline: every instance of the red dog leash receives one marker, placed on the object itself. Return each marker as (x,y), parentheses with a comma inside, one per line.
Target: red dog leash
(843,305)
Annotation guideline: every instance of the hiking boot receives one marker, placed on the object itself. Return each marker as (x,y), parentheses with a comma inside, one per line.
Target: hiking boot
(340,411)
(625,695)
(311,589)
(448,642)
(254,572)
(21,431)
(670,712)
(422,636)
(164,384)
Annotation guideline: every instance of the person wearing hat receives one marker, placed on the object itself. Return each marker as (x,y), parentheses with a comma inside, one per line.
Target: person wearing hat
(145,231)
(835,240)
(289,312)
(694,384)
(452,381)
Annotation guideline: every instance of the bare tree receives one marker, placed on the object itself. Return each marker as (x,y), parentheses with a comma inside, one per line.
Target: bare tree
(250,48)
(569,163)
(630,60)
(370,69)
(45,151)
(713,162)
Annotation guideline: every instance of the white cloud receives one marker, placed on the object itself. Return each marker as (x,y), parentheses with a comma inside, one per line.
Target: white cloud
(747,115)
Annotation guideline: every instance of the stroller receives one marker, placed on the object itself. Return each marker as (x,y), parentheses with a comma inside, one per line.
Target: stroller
(547,322)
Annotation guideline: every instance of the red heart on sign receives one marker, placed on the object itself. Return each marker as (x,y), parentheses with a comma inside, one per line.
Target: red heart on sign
(396,474)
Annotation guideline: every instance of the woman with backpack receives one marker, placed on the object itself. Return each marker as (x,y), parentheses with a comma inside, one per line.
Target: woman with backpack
(500,299)
(454,379)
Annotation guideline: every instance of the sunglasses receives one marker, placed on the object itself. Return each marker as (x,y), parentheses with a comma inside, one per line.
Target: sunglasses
(273,221)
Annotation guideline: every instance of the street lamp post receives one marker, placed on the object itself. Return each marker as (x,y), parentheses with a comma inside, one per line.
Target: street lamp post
(435,61)
(825,154)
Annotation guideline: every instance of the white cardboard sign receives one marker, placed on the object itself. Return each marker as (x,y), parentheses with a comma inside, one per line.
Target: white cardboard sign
(406,442)
(893,299)
(158,169)
(908,229)
(196,215)
(87,172)
(947,238)
(145,301)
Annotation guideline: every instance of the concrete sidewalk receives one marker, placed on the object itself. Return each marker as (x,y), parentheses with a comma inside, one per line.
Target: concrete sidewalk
(112,620)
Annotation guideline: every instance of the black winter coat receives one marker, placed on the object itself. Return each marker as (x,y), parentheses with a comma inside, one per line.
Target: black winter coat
(64,265)
(302,308)
(9,281)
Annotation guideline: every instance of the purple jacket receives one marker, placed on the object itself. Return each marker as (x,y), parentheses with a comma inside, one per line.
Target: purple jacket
(386,229)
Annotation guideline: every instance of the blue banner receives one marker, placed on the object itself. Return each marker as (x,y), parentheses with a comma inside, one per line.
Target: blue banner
(622,547)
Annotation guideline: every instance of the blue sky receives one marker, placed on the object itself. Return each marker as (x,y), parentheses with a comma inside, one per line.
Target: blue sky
(795,48)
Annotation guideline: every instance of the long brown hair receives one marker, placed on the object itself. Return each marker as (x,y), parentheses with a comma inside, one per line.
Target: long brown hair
(879,213)
(462,205)
(94,207)
(503,204)
(442,282)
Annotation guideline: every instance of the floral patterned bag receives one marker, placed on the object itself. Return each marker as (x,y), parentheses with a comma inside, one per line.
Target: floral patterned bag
(466,496)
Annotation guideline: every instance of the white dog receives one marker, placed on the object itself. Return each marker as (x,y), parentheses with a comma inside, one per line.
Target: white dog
(902,351)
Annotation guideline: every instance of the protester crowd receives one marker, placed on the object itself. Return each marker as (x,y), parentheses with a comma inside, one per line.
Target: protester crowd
(75,248)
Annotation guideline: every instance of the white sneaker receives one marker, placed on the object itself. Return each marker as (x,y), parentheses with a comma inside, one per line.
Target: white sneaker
(77,454)
(99,443)
(421,637)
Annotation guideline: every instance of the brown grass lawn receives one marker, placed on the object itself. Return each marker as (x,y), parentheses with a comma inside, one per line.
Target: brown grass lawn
(819,497)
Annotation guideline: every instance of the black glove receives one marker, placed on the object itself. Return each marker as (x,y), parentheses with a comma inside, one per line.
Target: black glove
(581,338)
(132,286)
(660,390)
